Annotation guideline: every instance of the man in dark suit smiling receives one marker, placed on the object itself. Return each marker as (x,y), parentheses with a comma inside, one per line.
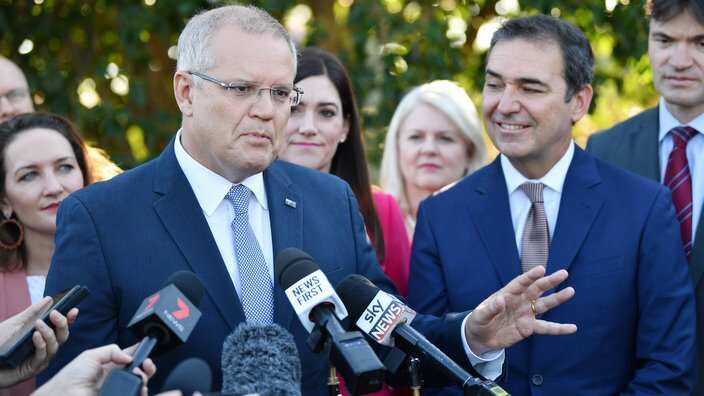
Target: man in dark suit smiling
(544,202)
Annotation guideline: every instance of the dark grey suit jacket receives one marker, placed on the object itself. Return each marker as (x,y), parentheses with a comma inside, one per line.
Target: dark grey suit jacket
(633,145)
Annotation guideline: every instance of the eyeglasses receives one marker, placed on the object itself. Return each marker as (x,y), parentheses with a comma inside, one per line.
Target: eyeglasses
(280,94)
(15,96)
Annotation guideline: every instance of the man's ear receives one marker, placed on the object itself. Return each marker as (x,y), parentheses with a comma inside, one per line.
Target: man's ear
(183,92)
(580,102)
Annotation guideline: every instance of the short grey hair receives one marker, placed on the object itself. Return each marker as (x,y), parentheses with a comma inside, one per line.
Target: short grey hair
(194,42)
(451,100)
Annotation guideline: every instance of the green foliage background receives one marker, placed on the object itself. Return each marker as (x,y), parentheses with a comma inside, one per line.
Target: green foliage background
(388,46)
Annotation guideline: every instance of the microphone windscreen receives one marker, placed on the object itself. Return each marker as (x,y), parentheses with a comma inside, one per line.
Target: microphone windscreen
(191,375)
(291,265)
(189,284)
(356,292)
(260,359)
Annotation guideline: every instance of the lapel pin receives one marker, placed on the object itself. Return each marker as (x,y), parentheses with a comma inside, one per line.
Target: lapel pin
(290,202)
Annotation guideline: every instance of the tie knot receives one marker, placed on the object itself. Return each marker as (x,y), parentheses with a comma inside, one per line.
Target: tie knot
(534,191)
(682,134)
(239,197)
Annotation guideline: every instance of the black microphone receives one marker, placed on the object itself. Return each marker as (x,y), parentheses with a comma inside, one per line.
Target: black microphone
(191,375)
(164,320)
(260,359)
(318,307)
(385,318)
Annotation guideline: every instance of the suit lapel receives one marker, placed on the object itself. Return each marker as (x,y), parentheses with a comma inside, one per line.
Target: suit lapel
(286,216)
(643,140)
(646,161)
(579,206)
(179,211)
(491,214)
(697,260)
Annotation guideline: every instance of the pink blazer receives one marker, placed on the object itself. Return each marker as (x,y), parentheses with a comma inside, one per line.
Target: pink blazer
(397,247)
(14,298)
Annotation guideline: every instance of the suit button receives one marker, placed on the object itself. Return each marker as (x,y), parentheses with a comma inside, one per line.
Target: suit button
(536,379)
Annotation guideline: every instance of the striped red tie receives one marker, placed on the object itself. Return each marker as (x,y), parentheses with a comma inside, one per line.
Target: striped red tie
(679,180)
(535,242)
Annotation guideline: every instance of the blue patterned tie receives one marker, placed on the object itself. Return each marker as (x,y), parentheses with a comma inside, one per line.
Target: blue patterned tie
(256,288)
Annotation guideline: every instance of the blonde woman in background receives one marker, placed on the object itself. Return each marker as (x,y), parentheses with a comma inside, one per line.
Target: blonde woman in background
(434,139)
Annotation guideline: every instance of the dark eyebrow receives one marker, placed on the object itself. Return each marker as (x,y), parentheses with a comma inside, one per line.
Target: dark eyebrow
(521,81)
(665,36)
(62,159)
(34,166)
(661,35)
(328,104)
(27,167)
(493,73)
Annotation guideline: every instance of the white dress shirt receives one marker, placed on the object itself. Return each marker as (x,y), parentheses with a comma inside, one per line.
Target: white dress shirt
(210,190)
(35,285)
(519,202)
(695,157)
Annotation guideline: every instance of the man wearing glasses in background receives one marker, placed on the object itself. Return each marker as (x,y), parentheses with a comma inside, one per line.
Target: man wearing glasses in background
(216,202)
(14,91)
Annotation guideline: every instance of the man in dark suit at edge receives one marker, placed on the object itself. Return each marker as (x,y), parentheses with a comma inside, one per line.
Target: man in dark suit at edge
(666,143)
(216,202)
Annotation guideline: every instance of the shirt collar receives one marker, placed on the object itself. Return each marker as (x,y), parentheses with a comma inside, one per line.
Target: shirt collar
(554,179)
(209,187)
(668,121)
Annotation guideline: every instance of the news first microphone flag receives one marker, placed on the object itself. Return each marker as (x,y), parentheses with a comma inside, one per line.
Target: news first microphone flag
(309,292)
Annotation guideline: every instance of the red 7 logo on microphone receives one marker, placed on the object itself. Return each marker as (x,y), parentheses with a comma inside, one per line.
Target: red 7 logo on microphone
(152,300)
(182,312)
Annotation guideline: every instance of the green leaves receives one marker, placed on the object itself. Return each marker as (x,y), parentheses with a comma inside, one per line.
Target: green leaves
(389,46)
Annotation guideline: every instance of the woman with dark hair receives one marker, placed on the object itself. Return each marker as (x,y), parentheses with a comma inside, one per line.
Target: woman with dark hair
(42,160)
(324,133)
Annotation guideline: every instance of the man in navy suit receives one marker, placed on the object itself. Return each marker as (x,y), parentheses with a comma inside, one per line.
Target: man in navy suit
(183,211)
(545,202)
(645,144)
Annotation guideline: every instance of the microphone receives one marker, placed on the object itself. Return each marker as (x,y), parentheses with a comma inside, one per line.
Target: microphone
(164,320)
(318,307)
(260,359)
(385,319)
(191,375)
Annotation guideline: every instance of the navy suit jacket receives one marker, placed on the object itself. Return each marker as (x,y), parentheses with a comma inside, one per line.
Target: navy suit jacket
(633,144)
(123,238)
(617,236)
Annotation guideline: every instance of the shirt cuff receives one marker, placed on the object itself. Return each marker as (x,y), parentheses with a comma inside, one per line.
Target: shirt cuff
(489,364)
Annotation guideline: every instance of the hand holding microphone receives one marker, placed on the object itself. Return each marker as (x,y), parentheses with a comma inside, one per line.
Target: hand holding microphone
(84,375)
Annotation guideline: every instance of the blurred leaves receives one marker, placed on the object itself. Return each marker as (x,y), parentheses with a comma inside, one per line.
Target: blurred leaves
(119,54)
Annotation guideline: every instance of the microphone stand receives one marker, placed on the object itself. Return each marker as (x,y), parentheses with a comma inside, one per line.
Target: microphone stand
(414,371)
(333,382)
